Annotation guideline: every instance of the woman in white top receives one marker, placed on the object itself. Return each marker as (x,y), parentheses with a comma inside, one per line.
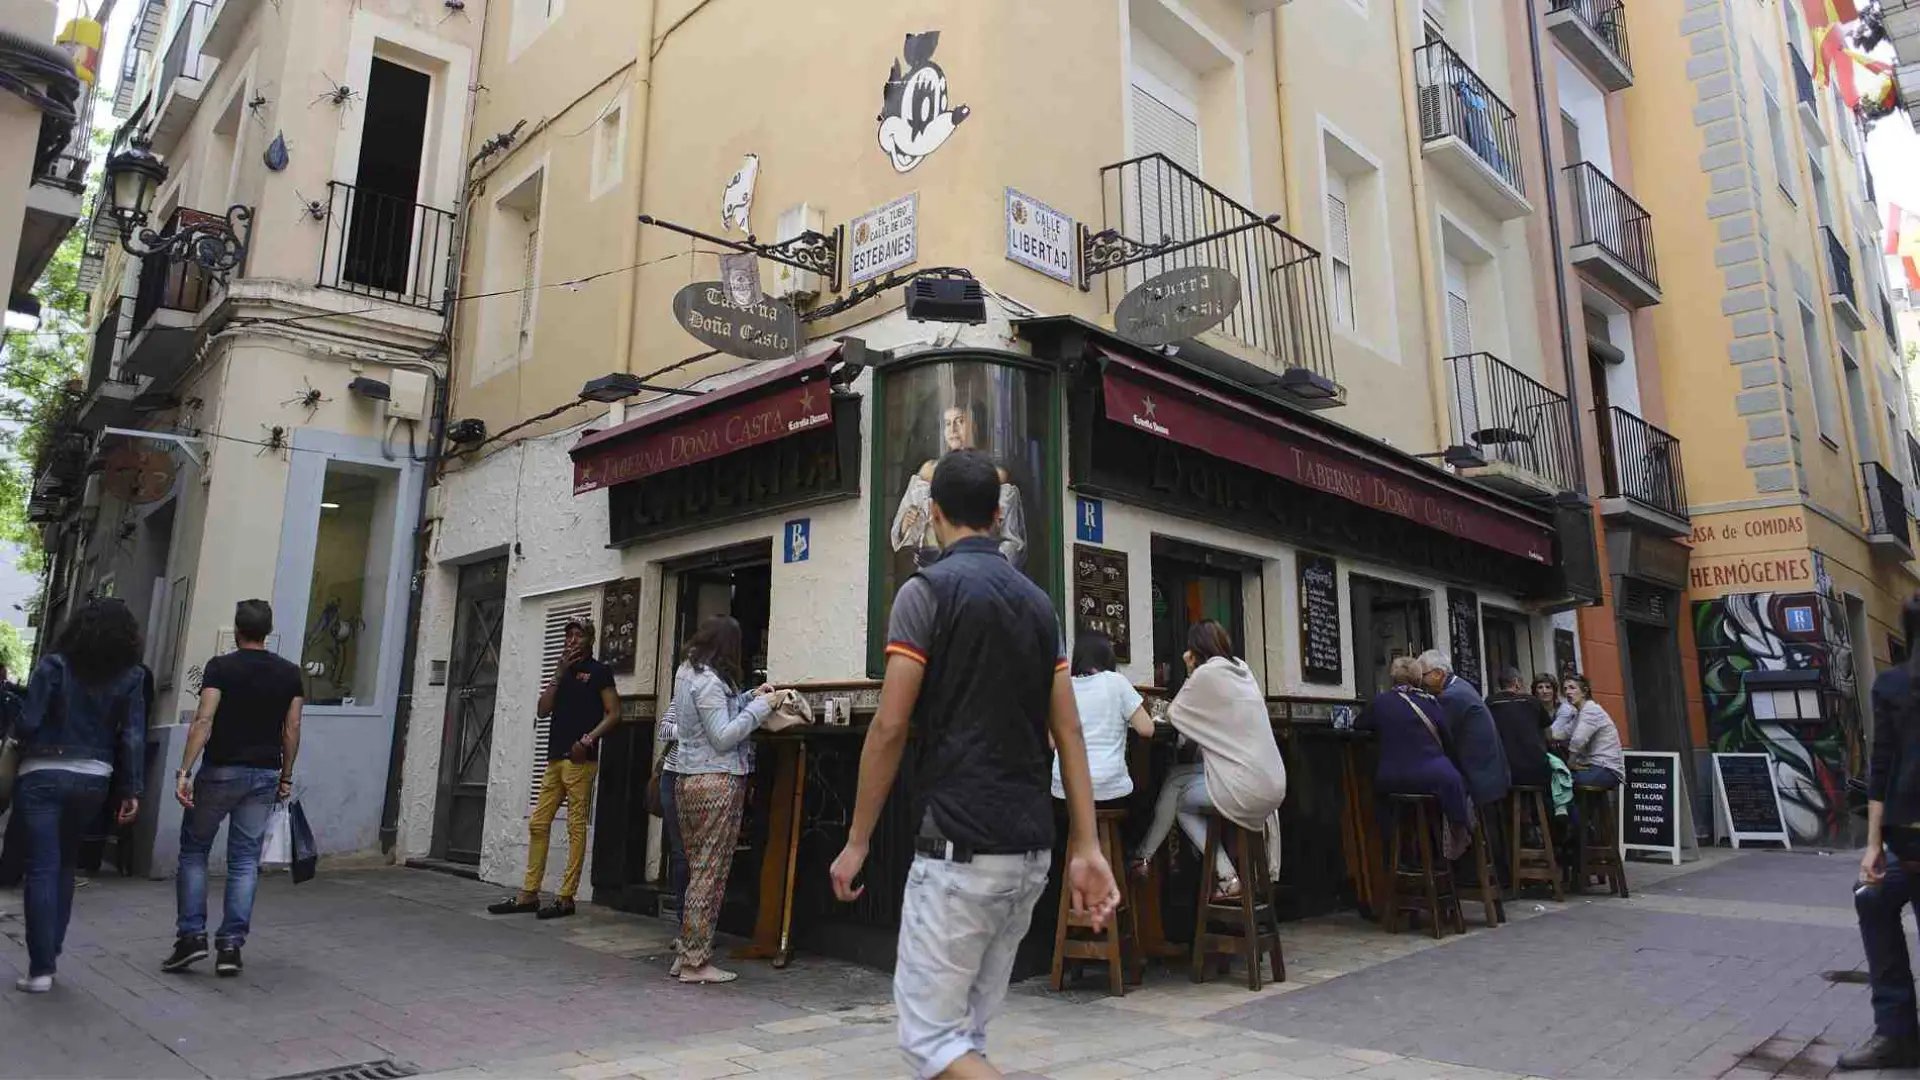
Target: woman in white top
(1108,705)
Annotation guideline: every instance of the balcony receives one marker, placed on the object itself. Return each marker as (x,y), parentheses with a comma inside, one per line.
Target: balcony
(184,76)
(1160,218)
(143,35)
(387,248)
(1808,104)
(1612,239)
(1509,431)
(1843,293)
(1645,481)
(1468,133)
(109,396)
(1892,326)
(1889,528)
(54,196)
(224,25)
(167,324)
(1594,33)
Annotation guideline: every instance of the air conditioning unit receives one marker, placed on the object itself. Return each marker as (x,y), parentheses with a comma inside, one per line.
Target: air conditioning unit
(799,286)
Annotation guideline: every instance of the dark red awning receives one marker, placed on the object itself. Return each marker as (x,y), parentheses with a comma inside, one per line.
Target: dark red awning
(785,400)
(1147,399)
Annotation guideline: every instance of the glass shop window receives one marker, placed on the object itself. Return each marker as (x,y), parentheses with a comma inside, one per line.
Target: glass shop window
(347,600)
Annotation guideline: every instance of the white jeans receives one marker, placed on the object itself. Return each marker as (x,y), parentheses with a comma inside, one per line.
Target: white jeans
(1183,796)
(960,926)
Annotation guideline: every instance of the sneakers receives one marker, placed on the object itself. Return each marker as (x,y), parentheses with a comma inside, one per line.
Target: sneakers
(226,962)
(559,909)
(1881,1052)
(513,905)
(188,950)
(33,984)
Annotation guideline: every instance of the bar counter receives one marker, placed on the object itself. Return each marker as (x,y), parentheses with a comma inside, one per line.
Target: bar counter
(801,802)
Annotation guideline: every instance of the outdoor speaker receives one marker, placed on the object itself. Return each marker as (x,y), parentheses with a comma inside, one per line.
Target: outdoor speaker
(952,300)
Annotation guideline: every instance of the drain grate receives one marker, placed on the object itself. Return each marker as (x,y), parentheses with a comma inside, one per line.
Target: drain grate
(387,1069)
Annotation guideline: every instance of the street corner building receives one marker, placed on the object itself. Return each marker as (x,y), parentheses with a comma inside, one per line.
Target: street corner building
(271,256)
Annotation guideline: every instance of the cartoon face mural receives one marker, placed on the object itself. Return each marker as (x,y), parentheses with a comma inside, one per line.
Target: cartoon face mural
(914,117)
(1811,757)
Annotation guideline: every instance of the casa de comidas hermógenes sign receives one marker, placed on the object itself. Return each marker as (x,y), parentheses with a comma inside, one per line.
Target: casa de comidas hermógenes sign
(807,467)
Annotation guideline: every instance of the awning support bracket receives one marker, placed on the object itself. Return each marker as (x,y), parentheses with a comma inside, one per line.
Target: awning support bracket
(192,446)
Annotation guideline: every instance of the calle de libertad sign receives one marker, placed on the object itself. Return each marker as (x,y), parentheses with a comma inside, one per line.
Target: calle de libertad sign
(1177,305)
(765,330)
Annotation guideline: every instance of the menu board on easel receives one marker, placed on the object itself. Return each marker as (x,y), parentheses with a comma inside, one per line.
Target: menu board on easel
(1100,597)
(1320,652)
(1651,803)
(1745,801)
(1463,635)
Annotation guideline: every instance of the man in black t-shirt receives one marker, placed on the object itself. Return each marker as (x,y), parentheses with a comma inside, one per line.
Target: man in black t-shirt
(977,670)
(249,725)
(583,706)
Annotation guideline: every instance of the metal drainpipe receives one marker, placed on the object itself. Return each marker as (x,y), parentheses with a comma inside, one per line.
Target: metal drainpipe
(1568,367)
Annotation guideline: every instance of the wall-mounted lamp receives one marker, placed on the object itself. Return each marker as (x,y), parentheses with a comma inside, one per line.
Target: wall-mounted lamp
(133,178)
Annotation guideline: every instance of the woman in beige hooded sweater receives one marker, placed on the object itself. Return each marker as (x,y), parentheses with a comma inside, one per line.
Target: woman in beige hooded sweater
(1240,775)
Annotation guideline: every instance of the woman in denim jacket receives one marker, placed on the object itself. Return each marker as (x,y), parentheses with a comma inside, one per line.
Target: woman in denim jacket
(714,722)
(83,731)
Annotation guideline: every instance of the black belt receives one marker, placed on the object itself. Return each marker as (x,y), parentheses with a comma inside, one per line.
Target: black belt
(949,851)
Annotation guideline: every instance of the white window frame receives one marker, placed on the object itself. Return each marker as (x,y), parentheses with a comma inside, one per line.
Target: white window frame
(1371,264)
(609,149)
(1820,376)
(1783,166)
(1340,250)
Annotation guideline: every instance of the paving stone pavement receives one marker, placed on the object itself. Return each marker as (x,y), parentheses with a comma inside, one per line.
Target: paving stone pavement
(1712,969)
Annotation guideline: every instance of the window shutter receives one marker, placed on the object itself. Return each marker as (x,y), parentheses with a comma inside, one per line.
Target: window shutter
(1340,252)
(553,640)
(1339,239)
(1161,205)
(1160,128)
(1459,324)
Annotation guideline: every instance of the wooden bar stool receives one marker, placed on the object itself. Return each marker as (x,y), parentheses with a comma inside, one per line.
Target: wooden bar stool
(1254,922)
(1427,887)
(1532,862)
(1490,901)
(1074,937)
(1599,841)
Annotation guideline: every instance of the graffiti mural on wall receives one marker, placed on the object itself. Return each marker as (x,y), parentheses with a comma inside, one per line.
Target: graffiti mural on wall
(1811,758)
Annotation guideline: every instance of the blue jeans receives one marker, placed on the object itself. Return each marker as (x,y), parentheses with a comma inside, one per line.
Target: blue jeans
(242,797)
(960,927)
(1596,776)
(55,806)
(1884,937)
(676,845)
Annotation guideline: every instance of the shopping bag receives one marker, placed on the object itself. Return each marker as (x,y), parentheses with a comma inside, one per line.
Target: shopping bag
(306,853)
(276,846)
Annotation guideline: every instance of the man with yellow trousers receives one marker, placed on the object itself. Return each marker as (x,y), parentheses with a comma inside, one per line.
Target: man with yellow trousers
(583,706)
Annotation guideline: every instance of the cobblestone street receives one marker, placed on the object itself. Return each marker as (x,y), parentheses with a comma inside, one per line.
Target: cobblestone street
(1724,967)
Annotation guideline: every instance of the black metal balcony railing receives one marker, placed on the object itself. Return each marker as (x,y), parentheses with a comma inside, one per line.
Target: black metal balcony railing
(62,158)
(169,284)
(1802,80)
(1608,218)
(1886,503)
(1913,456)
(1606,18)
(1150,201)
(183,49)
(386,246)
(1840,264)
(1508,417)
(1892,327)
(1454,101)
(1643,464)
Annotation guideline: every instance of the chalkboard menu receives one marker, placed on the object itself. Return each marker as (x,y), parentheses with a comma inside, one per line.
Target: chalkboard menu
(1747,803)
(620,619)
(1650,809)
(1320,652)
(1100,597)
(1463,635)
(1564,663)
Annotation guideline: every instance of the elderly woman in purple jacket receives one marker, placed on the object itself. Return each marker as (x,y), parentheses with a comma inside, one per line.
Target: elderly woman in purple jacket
(1414,745)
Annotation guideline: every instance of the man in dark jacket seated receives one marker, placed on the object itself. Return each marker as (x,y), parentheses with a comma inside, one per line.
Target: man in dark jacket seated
(1475,745)
(1522,722)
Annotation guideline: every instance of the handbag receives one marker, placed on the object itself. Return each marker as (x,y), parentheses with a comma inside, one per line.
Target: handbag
(306,853)
(276,847)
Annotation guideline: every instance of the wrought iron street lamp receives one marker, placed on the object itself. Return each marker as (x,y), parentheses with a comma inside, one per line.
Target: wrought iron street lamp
(133,178)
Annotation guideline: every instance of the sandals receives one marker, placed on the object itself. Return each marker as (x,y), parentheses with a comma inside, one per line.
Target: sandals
(713,976)
(513,905)
(559,909)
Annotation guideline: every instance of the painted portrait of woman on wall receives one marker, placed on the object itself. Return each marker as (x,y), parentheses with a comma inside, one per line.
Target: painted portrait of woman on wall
(935,408)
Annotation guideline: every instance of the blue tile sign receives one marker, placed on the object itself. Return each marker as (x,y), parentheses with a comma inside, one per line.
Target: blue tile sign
(1090,521)
(1800,620)
(799,535)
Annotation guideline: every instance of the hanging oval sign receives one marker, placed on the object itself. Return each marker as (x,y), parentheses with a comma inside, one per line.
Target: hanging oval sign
(766,329)
(1177,305)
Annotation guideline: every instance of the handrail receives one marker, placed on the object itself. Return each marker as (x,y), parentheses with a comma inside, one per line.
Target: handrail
(386,246)
(1886,503)
(1606,18)
(1645,465)
(1511,418)
(1455,101)
(1841,264)
(1610,219)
